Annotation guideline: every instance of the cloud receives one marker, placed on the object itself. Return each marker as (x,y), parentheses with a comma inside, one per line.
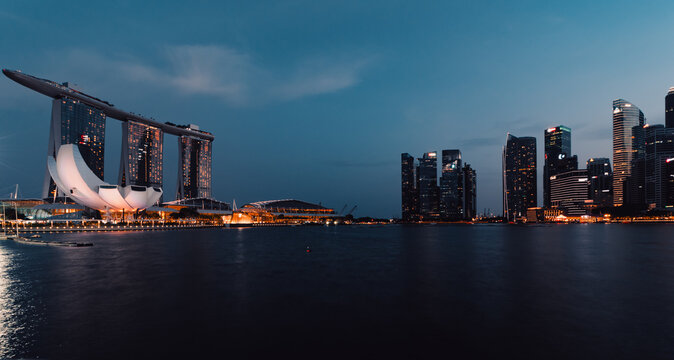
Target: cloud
(225,73)
(319,77)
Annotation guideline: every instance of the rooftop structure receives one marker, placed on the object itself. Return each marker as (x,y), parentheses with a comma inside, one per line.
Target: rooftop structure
(57,91)
(285,211)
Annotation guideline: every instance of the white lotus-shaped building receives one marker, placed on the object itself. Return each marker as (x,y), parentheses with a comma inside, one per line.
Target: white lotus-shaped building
(72,176)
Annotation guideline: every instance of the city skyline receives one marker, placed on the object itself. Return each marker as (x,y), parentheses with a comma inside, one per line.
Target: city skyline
(337,114)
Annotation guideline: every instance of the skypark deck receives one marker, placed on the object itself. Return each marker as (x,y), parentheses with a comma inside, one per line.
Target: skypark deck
(57,91)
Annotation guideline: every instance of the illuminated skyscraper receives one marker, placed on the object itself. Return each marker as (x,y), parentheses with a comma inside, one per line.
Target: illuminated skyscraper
(625,117)
(428,185)
(409,201)
(558,157)
(142,155)
(194,167)
(600,177)
(451,185)
(669,108)
(74,122)
(519,176)
(659,147)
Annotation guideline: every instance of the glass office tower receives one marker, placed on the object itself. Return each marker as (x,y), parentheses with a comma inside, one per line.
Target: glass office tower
(519,176)
(659,147)
(600,177)
(428,185)
(194,168)
(669,108)
(558,157)
(451,185)
(142,160)
(409,190)
(470,192)
(73,122)
(625,116)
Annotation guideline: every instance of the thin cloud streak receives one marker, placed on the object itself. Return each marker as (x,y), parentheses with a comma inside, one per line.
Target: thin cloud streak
(227,74)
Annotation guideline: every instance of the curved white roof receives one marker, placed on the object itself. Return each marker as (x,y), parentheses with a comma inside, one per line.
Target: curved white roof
(72,176)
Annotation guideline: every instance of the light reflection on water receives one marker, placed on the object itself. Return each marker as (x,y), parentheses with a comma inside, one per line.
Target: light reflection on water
(8,307)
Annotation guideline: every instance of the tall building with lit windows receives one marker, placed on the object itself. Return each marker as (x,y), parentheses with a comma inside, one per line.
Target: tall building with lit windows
(194,167)
(469,192)
(600,178)
(74,122)
(519,176)
(625,117)
(669,108)
(451,185)
(659,147)
(558,158)
(409,199)
(429,205)
(142,155)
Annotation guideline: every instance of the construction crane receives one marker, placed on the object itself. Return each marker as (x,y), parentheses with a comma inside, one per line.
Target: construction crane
(342,211)
(352,209)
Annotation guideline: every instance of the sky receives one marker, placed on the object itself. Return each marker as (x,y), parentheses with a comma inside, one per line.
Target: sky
(316,100)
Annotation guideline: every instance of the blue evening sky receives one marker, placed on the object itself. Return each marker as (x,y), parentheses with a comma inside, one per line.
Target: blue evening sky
(316,100)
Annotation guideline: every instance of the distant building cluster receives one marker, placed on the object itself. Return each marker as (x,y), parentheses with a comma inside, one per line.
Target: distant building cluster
(642,176)
(453,198)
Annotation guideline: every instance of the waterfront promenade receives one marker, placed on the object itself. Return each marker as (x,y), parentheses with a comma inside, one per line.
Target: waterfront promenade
(91,226)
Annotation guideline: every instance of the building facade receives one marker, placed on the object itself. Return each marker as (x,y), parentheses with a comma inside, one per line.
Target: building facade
(669,108)
(659,147)
(558,158)
(429,204)
(451,186)
(142,161)
(409,200)
(74,122)
(194,168)
(600,179)
(470,192)
(569,193)
(625,117)
(519,176)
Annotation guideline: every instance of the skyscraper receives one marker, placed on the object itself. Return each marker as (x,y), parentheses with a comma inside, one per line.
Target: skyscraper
(428,185)
(669,108)
(194,167)
(669,184)
(659,147)
(409,190)
(142,155)
(519,176)
(558,157)
(625,117)
(74,122)
(470,192)
(451,185)
(600,177)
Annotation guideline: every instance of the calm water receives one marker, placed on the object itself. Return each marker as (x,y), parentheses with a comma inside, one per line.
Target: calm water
(381,291)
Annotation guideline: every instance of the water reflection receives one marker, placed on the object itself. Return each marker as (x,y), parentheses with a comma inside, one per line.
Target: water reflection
(8,322)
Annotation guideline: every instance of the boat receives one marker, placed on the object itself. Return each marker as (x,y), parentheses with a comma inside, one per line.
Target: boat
(23,240)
